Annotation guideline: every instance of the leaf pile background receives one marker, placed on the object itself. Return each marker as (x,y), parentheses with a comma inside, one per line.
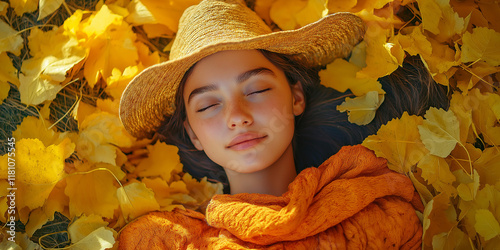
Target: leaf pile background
(80,177)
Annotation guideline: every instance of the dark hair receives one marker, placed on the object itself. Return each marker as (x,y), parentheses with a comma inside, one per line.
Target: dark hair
(321,130)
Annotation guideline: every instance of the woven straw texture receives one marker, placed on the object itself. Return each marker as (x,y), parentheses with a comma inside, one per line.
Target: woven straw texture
(214,26)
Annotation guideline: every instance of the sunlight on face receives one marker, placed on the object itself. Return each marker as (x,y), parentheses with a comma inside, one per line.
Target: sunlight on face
(240,109)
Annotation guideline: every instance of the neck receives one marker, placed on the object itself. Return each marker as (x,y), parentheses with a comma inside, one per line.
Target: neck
(273,180)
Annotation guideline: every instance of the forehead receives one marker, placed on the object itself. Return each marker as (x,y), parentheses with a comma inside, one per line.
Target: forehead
(226,65)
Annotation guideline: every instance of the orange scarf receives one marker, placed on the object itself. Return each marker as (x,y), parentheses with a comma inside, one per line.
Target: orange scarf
(351,201)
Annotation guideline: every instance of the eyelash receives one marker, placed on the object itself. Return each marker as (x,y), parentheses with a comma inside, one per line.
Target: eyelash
(255,92)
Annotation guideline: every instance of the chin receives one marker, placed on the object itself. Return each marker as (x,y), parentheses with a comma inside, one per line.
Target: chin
(246,168)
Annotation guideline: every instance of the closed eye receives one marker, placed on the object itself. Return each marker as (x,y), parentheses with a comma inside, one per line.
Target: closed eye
(205,108)
(259,91)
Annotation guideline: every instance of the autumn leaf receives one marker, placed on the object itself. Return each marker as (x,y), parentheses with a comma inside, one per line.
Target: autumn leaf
(168,13)
(38,128)
(488,166)
(3,8)
(481,44)
(85,225)
(439,18)
(162,160)
(485,114)
(38,169)
(486,224)
(100,134)
(435,171)
(47,7)
(283,13)
(52,59)
(468,187)
(23,6)
(361,110)
(7,72)
(10,39)
(399,142)
(91,193)
(341,75)
(101,238)
(440,131)
(314,10)
(439,216)
(135,200)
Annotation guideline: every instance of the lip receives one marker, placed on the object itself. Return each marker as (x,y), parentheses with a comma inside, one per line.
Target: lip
(245,141)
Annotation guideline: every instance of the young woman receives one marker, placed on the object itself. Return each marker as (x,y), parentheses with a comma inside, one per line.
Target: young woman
(245,107)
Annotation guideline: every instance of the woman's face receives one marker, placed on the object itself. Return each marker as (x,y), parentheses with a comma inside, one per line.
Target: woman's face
(240,110)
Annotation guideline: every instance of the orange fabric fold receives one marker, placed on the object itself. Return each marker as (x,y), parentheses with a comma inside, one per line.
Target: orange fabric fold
(351,201)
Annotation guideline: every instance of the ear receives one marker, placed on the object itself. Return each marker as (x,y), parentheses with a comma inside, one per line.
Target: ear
(299,101)
(192,136)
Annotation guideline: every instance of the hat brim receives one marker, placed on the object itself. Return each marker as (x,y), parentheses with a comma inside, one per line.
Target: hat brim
(150,97)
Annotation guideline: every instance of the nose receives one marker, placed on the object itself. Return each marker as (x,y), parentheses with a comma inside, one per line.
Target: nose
(238,115)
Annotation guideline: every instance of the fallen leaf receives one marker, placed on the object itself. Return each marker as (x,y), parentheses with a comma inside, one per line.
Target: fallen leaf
(439,217)
(283,13)
(23,6)
(85,225)
(437,173)
(399,142)
(486,224)
(101,238)
(162,161)
(440,131)
(361,110)
(7,72)
(47,7)
(10,39)
(168,13)
(341,75)
(481,44)
(135,200)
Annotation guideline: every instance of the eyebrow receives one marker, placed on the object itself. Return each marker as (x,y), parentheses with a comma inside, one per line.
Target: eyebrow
(241,78)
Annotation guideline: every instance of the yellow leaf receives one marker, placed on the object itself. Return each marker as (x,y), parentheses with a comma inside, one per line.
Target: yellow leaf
(135,200)
(81,111)
(440,61)
(100,134)
(484,118)
(47,7)
(38,128)
(422,189)
(139,14)
(488,166)
(38,169)
(112,49)
(7,72)
(413,41)
(168,12)
(157,30)
(440,131)
(162,161)
(91,193)
(379,59)
(23,6)
(161,191)
(201,190)
(341,75)
(101,238)
(481,44)
(463,157)
(486,224)
(10,39)
(118,81)
(455,239)
(36,220)
(337,6)
(439,18)
(467,189)
(54,54)
(439,217)
(399,142)
(99,22)
(361,110)
(437,173)
(262,8)
(459,105)
(314,10)
(3,8)
(283,13)
(85,225)
(7,244)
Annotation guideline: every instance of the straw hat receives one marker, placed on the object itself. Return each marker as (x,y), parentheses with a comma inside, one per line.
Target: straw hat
(214,26)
